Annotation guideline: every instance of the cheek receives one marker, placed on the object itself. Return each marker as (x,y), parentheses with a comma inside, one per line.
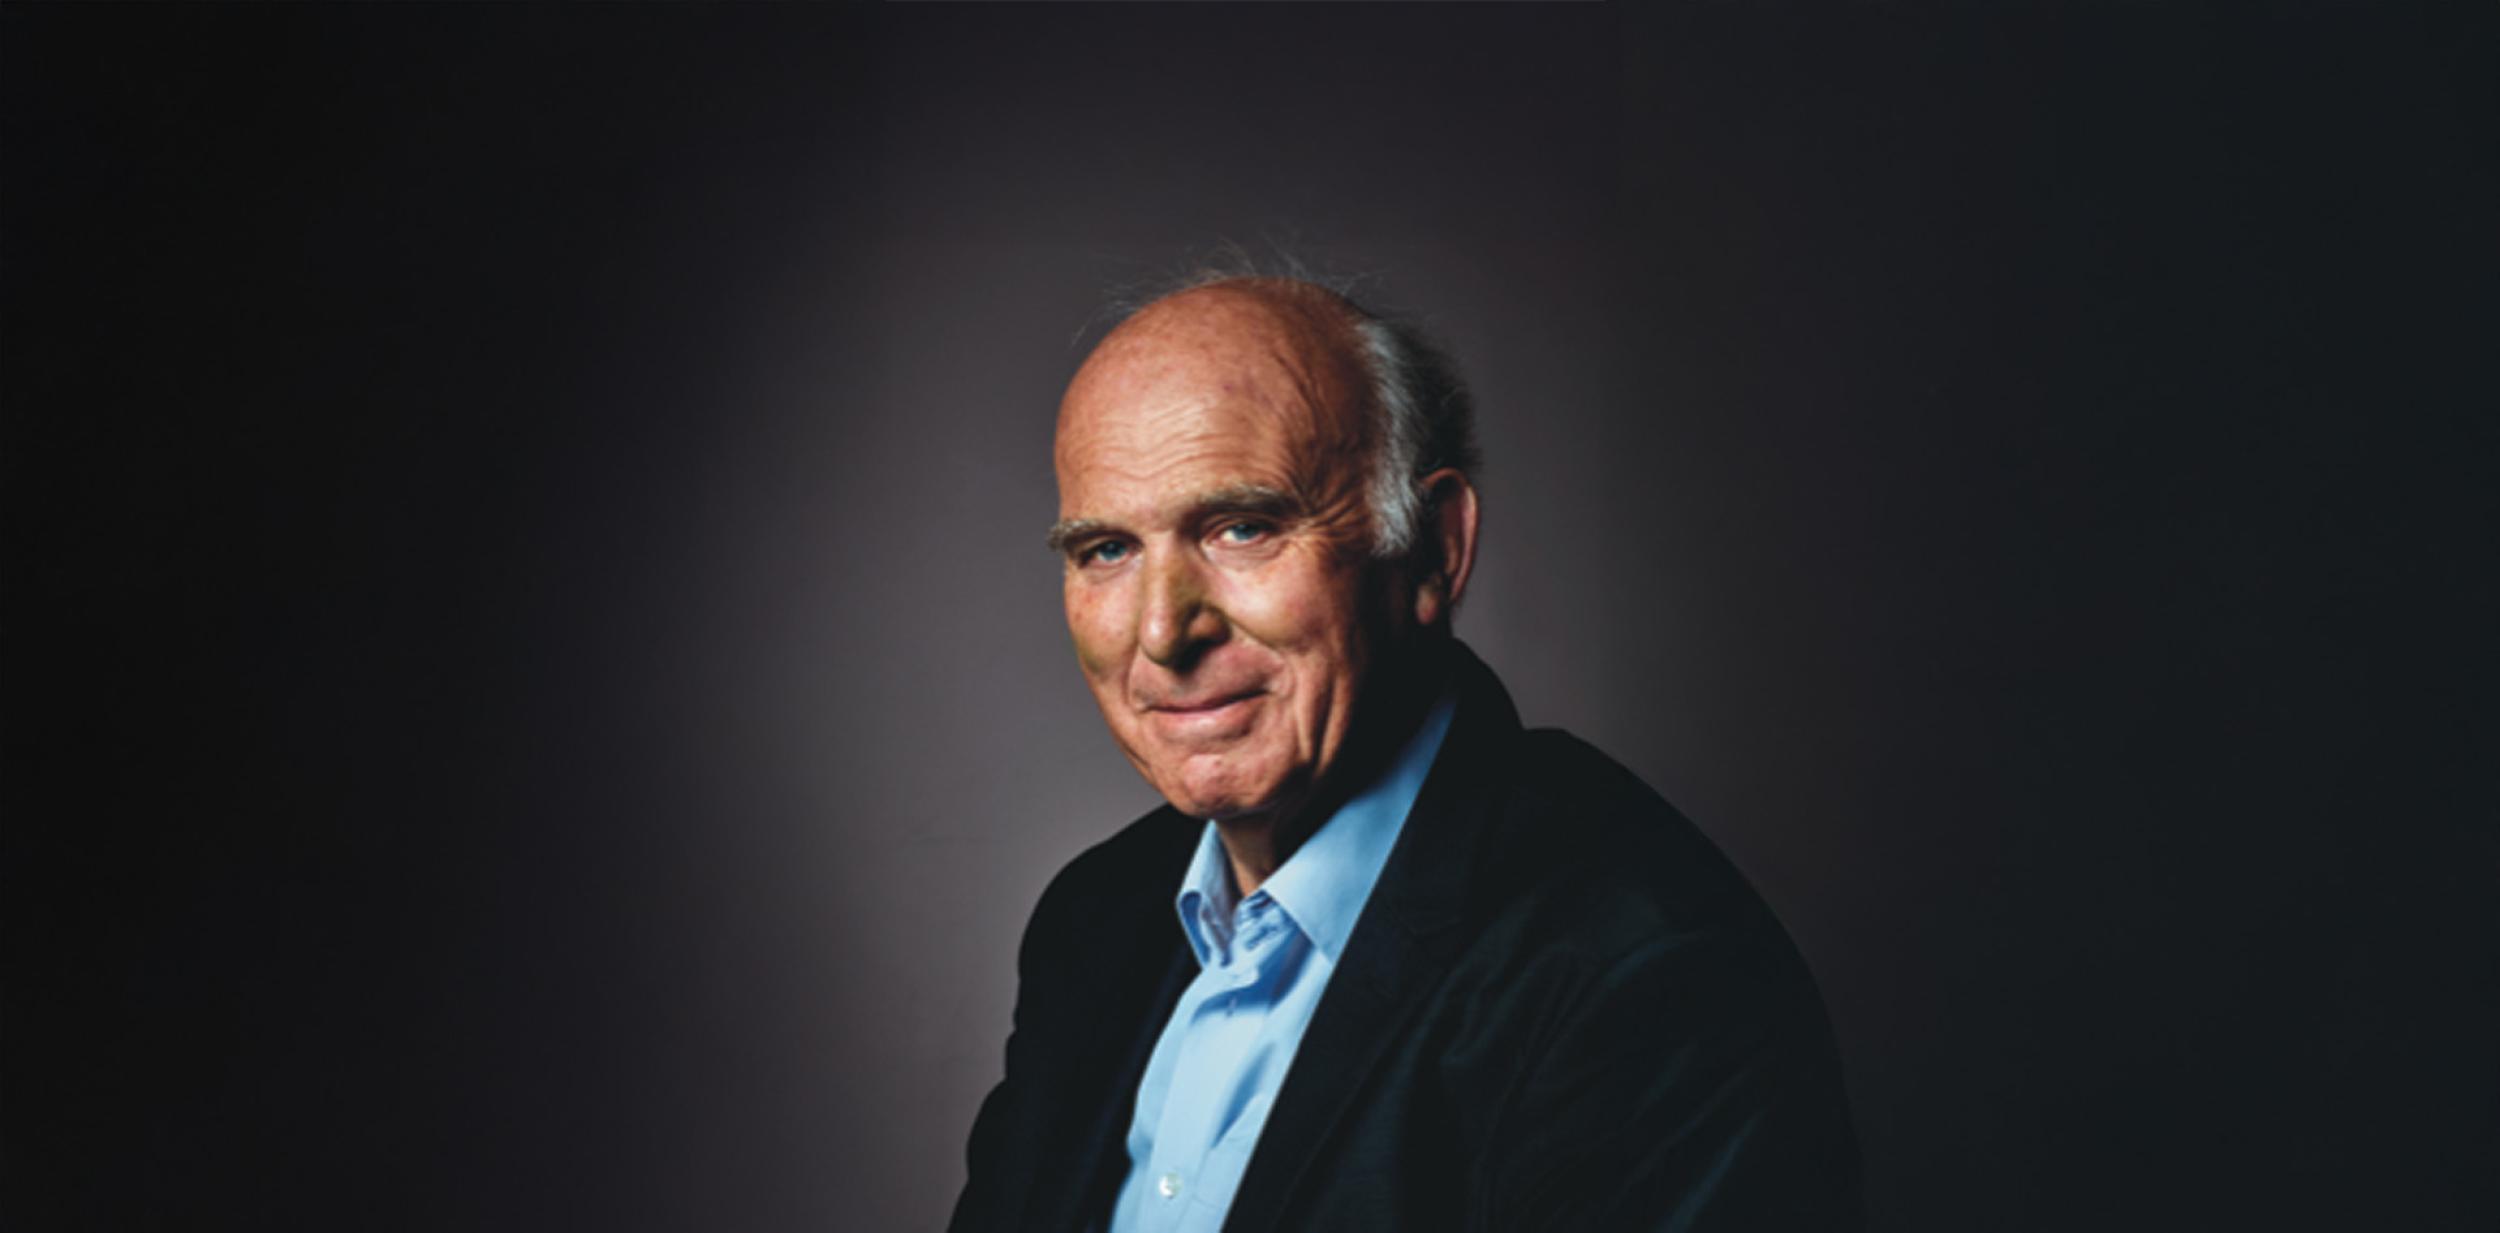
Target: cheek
(1101,626)
(1308,608)
(1094,625)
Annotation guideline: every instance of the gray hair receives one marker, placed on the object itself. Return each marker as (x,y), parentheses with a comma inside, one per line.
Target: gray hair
(1425,422)
(1423,418)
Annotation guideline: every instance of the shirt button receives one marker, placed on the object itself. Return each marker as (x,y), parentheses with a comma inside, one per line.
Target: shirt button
(1168,1185)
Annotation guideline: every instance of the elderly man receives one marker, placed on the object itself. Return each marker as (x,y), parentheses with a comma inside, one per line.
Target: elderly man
(1430,971)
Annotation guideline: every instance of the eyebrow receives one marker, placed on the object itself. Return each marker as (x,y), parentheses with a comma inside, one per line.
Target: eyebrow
(1067,531)
(1255,499)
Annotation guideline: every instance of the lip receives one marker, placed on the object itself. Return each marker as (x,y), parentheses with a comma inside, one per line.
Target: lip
(1217,718)
(1209,706)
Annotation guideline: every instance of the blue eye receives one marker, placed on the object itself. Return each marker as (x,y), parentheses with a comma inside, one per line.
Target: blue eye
(1241,532)
(1108,552)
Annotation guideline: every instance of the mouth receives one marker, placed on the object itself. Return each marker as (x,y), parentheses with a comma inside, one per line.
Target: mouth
(1214,716)
(1209,705)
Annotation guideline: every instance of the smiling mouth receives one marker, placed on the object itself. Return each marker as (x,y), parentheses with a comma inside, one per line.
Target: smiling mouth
(1210,706)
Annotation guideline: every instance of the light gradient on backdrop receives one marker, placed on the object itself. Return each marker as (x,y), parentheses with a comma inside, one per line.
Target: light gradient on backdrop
(924,689)
(939,717)
(535,582)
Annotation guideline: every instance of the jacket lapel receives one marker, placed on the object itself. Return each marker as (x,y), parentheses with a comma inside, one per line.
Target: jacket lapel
(1146,967)
(1403,944)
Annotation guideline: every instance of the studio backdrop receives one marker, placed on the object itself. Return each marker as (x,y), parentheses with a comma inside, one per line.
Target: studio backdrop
(536,697)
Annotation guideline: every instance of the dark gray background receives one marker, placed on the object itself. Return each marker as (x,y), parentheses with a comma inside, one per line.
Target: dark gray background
(536,699)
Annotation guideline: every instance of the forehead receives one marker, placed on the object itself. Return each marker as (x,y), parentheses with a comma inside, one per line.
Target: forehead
(1214,379)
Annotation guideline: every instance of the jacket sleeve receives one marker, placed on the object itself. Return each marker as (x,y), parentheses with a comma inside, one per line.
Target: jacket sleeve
(1687,1086)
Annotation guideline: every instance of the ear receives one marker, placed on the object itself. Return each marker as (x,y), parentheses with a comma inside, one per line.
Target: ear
(1445,551)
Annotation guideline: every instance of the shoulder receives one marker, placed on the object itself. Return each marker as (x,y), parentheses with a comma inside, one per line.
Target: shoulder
(1589,875)
(1620,989)
(1134,869)
(1159,842)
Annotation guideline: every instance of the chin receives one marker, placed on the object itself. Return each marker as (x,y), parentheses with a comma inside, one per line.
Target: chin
(1216,805)
(1220,791)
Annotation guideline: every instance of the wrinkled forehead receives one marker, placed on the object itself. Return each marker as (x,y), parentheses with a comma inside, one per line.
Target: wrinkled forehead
(1290,356)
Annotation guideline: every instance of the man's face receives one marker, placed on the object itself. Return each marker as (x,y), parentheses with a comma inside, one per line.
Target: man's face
(1225,608)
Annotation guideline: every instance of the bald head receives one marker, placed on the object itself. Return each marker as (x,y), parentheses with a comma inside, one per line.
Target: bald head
(1276,350)
(1284,311)
(1396,400)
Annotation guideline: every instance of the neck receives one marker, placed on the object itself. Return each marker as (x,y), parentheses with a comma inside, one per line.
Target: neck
(1257,844)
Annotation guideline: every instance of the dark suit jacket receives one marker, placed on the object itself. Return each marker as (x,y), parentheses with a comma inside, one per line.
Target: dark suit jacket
(1561,1009)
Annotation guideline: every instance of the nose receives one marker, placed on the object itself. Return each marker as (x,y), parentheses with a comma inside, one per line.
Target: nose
(1179,620)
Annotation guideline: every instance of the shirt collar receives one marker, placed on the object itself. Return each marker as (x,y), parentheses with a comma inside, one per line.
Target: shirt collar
(1206,898)
(1322,887)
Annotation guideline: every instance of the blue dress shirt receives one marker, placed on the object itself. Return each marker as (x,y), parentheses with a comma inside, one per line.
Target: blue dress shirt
(1263,962)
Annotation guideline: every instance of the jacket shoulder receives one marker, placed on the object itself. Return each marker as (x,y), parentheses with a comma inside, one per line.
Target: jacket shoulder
(1626,1037)
(1112,875)
(1592,862)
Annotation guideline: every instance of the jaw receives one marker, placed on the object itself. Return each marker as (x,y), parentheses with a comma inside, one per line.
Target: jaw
(1225,785)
